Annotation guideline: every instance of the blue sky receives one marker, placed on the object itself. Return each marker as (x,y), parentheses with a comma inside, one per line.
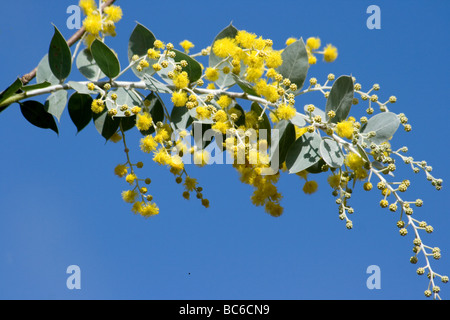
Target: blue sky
(60,202)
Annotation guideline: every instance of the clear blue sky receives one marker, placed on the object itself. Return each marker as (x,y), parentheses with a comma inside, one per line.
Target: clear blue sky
(60,202)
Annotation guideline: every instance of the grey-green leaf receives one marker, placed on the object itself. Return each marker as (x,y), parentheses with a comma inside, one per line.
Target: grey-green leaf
(331,153)
(295,63)
(304,152)
(56,103)
(340,98)
(80,88)
(155,85)
(44,73)
(88,67)
(106,59)
(59,56)
(384,124)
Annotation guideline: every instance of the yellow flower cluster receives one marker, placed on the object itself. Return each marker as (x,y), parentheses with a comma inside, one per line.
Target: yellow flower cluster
(99,24)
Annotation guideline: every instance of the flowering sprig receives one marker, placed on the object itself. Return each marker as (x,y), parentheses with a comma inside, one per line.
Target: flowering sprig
(268,136)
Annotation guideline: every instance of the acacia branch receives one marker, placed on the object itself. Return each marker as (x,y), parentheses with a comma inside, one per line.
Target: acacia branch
(72,40)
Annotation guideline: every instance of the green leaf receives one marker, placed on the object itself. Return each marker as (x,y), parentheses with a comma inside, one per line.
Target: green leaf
(340,98)
(59,56)
(106,59)
(10,91)
(56,103)
(36,114)
(37,86)
(181,118)
(384,124)
(265,123)
(141,40)
(304,152)
(295,63)
(331,152)
(128,123)
(363,153)
(105,124)
(317,167)
(80,112)
(156,110)
(225,80)
(44,73)
(286,137)
(241,120)
(88,67)
(155,85)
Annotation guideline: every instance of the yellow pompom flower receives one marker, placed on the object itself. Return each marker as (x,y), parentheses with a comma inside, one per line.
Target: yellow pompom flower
(186,45)
(203,113)
(201,158)
(313,43)
(330,53)
(153,54)
(254,74)
(148,144)
(290,41)
(274,60)
(285,112)
(224,101)
(344,129)
(190,183)
(334,181)
(181,80)
(354,161)
(310,187)
(161,157)
(144,121)
(220,116)
(129,196)
(148,210)
(176,163)
(224,47)
(212,74)
(115,137)
(245,39)
(97,106)
(121,170)
(221,127)
(179,99)
(274,209)
(88,6)
(114,13)
(130,178)
(93,24)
